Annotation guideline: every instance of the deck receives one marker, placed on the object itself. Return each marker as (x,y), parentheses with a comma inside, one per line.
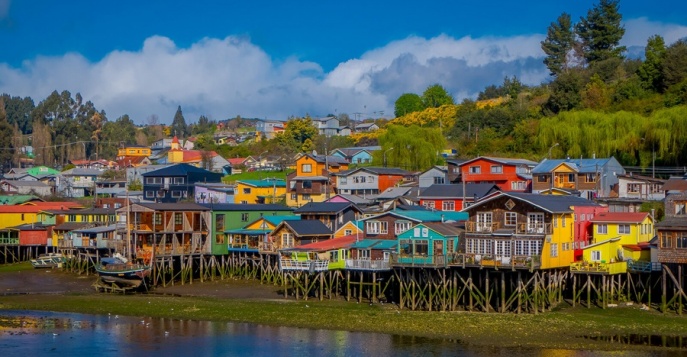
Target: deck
(368,264)
(466,260)
(304,265)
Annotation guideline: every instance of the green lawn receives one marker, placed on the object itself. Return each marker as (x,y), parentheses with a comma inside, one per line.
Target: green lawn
(15,267)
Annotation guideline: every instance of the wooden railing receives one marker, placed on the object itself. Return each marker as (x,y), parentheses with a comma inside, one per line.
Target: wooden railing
(520,228)
(368,264)
(304,265)
(599,267)
(497,261)
(421,260)
(9,241)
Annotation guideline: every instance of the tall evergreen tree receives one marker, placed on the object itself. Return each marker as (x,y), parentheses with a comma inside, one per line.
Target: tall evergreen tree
(675,63)
(600,32)
(651,70)
(6,137)
(558,44)
(179,127)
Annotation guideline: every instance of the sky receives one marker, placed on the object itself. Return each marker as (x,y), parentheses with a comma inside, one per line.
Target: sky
(276,59)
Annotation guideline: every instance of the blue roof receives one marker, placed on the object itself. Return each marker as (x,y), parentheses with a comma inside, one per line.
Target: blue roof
(384,244)
(432,216)
(581,165)
(278,219)
(263,183)
(180,170)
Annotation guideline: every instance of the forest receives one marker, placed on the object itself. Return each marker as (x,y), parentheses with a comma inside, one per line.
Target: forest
(597,102)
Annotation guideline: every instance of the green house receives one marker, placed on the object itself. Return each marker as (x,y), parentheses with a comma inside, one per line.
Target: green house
(229,216)
(428,244)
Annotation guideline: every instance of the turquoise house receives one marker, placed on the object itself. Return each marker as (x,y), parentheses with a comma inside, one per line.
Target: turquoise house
(428,244)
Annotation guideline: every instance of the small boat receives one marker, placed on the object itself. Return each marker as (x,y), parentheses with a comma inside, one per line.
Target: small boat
(50,260)
(118,269)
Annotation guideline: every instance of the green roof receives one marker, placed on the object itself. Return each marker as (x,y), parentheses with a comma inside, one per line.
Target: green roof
(42,171)
(11,200)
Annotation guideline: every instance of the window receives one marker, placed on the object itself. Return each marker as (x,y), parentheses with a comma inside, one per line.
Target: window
(244,217)
(428,204)
(364,254)
(306,168)
(307,184)
(359,179)
(496,169)
(571,177)
(448,206)
(294,196)
(287,239)
(483,222)
(535,222)
(178,180)
(439,180)
(511,219)
(542,178)
(178,218)
(518,185)
(219,223)
(590,178)
(450,246)
(157,218)
(563,221)
(596,255)
(554,250)
(343,180)
(377,227)
(402,226)
(404,247)
(680,208)
(348,232)
(475,169)
(150,194)
(160,194)
(306,197)
(633,187)
(421,247)
(602,228)
(681,242)
(154,180)
(623,229)
(246,190)
(666,241)
(176,194)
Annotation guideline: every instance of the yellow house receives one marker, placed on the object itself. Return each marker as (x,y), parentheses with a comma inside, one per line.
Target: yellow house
(618,238)
(133,150)
(311,182)
(76,219)
(350,228)
(259,191)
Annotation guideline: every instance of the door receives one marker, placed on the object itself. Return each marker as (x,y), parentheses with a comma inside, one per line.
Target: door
(483,222)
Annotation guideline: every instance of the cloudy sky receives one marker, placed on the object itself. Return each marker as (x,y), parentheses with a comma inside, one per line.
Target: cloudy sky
(275,59)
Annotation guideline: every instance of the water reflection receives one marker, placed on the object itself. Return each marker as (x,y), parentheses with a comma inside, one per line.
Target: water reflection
(37,333)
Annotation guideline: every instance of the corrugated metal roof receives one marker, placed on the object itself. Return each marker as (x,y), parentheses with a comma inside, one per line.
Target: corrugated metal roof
(472,190)
(329,244)
(308,227)
(618,217)
(580,165)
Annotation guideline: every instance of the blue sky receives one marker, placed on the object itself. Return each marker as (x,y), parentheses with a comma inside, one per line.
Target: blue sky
(276,59)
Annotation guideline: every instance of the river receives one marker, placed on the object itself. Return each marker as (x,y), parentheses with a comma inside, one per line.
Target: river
(38,333)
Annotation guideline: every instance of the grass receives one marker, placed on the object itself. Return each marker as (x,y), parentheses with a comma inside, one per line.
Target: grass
(564,328)
(5,268)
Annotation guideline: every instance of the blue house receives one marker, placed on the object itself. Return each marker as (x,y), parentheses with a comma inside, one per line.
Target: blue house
(175,183)
(428,244)
(357,155)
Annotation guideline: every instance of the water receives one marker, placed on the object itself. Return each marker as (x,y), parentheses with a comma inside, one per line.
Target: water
(36,333)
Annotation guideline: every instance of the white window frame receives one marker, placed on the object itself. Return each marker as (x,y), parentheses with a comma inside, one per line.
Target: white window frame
(513,215)
(484,221)
(624,229)
(602,228)
(448,205)
(496,169)
(596,256)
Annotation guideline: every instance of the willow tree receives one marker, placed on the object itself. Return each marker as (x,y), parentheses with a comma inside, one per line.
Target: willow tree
(412,148)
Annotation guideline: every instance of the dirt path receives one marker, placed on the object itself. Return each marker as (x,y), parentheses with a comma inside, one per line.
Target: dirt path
(55,281)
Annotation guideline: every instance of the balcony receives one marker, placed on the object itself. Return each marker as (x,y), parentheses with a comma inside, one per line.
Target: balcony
(9,241)
(304,265)
(368,264)
(520,228)
(497,261)
(601,267)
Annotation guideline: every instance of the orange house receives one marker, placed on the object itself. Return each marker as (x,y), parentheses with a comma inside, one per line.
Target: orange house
(507,174)
(311,181)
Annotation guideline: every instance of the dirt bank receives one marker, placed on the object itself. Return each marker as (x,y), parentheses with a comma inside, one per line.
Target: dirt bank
(55,281)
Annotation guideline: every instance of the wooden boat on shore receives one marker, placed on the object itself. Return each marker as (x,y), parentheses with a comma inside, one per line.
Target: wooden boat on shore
(119,270)
(50,260)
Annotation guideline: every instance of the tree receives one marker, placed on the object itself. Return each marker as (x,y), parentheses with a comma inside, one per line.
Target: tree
(435,96)
(675,63)
(407,103)
(600,32)
(558,44)
(565,92)
(18,111)
(6,137)
(298,131)
(651,70)
(414,148)
(179,127)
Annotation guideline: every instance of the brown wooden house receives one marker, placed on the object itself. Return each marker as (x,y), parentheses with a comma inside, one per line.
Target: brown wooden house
(672,231)
(290,234)
(169,228)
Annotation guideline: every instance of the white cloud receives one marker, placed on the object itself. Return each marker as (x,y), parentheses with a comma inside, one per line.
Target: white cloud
(638,31)
(225,77)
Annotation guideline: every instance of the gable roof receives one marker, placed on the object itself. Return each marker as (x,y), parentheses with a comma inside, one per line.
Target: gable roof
(620,217)
(179,170)
(243,207)
(579,165)
(501,160)
(445,229)
(303,228)
(329,159)
(329,244)
(17,199)
(472,190)
(549,203)
(675,184)
(325,207)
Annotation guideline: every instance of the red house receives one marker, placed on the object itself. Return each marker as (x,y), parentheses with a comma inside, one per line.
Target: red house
(507,174)
(583,216)
(451,197)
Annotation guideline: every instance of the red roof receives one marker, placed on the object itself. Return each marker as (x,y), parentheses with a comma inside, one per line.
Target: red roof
(614,217)
(329,244)
(236,160)
(35,207)
(637,247)
(195,155)
(127,161)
